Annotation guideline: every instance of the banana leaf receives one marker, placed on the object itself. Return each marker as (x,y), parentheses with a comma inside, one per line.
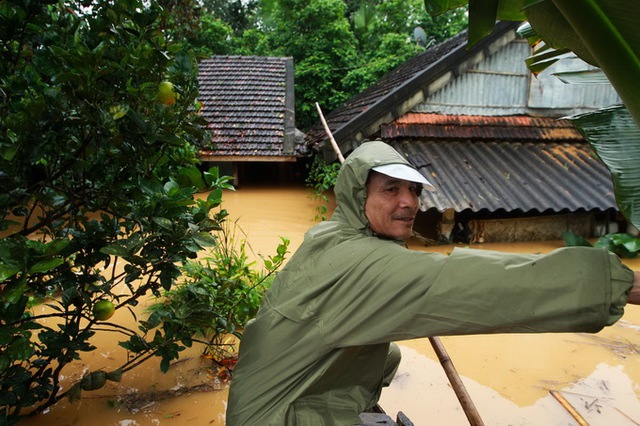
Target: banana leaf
(603,33)
(615,137)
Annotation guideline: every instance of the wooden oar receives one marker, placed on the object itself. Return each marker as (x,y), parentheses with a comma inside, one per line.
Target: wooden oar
(447,364)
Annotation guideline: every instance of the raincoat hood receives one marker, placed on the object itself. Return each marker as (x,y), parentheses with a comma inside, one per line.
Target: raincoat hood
(350,188)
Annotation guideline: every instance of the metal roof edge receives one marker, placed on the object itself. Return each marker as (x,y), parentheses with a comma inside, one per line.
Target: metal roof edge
(393,104)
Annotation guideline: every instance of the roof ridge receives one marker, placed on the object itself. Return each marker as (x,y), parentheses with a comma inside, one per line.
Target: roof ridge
(384,100)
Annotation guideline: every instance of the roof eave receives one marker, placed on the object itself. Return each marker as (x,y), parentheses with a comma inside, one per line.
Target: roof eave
(417,89)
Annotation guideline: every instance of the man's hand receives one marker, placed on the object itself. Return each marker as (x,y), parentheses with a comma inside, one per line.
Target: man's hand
(634,294)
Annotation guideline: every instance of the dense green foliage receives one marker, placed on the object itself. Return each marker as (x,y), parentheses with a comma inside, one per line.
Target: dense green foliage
(622,244)
(97,188)
(339,48)
(218,293)
(322,178)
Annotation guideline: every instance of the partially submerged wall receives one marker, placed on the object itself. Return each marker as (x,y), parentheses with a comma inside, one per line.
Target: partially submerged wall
(530,228)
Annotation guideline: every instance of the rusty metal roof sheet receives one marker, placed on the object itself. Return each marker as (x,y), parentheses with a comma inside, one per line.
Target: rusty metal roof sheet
(248,104)
(510,176)
(462,127)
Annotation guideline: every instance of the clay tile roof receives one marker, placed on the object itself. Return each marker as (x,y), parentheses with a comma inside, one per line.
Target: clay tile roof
(247,102)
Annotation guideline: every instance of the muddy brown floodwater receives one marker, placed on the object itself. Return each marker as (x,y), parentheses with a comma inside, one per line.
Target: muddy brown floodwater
(509,377)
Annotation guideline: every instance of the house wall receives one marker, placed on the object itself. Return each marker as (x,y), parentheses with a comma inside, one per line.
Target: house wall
(530,228)
(434,228)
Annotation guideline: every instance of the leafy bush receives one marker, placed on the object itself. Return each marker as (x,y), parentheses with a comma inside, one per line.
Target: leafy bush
(219,293)
(322,178)
(624,245)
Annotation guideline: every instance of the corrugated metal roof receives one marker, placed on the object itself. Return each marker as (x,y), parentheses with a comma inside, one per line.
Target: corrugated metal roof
(479,127)
(248,104)
(388,97)
(474,91)
(361,102)
(511,176)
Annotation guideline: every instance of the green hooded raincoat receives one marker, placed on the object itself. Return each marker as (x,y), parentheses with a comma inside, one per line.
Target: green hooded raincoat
(316,351)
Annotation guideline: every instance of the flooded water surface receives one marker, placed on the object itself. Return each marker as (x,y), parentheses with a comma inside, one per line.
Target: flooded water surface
(509,377)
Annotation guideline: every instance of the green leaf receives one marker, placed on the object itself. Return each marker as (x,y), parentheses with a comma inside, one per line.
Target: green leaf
(593,76)
(164,222)
(7,398)
(119,111)
(544,57)
(46,265)
(115,375)
(115,250)
(191,176)
(437,7)
(171,188)
(21,349)
(609,242)
(615,137)
(511,10)
(552,26)
(164,364)
(215,196)
(7,271)
(94,380)
(482,19)
(630,243)
(150,187)
(56,246)
(166,278)
(205,239)
(603,33)
(14,291)
(212,175)
(572,239)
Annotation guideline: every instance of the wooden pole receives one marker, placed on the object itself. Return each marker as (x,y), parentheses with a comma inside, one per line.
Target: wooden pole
(334,144)
(447,364)
(570,409)
(456,383)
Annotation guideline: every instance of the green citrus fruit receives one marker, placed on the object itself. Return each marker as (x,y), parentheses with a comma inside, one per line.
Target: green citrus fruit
(103,310)
(166,94)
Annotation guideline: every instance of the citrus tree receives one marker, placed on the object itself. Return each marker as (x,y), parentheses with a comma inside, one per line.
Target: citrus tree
(601,32)
(98,175)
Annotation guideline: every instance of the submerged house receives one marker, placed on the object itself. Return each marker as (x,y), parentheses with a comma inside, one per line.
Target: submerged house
(248,103)
(490,137)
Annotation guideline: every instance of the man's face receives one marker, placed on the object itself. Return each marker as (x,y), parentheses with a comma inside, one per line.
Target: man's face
(391,205)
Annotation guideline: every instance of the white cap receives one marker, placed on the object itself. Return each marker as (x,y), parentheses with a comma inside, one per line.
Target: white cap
(404,172)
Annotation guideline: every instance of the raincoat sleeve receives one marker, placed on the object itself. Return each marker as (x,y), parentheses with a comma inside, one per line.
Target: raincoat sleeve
(396,294)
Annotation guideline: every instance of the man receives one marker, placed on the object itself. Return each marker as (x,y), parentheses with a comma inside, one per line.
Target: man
(318,352)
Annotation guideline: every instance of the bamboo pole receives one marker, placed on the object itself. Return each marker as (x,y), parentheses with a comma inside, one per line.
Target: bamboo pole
(567,406)
(334,144)
(456,383)
(447,364)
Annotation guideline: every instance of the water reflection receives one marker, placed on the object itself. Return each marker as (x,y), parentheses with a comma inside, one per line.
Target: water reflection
(508,376)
